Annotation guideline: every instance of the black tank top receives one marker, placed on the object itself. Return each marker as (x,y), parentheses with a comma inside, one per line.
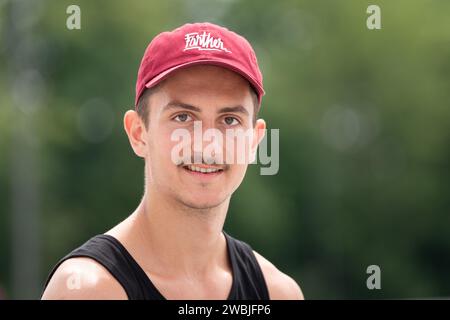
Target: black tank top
(248,280)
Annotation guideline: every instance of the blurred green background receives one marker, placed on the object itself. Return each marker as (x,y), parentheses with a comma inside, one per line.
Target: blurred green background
(364,119)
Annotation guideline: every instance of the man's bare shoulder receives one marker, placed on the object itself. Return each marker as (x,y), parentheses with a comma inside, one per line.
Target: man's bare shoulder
(280,285)
(83,279)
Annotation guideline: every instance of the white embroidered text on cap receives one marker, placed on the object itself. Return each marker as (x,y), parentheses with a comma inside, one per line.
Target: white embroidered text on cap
(204,41)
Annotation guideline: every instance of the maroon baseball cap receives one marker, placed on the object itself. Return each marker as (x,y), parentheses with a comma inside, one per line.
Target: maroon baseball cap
(198,43)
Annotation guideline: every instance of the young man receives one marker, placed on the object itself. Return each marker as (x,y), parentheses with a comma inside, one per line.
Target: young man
(173,245)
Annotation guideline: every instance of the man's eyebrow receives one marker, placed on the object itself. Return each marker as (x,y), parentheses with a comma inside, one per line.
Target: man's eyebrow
(181,105)
(239,109)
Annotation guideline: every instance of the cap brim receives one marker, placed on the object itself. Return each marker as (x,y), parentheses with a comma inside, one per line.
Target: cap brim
(160,77)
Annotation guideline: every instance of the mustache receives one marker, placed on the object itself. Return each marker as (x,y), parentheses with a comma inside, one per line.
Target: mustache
(209,162)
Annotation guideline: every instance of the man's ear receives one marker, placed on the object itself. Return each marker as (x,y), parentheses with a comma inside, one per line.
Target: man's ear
(258,135)
(136,132)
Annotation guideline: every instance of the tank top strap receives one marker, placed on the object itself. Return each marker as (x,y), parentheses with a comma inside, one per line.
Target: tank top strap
(248,279)
(112,255)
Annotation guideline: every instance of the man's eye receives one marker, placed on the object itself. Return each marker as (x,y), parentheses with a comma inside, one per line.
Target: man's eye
(182,117)
(231,121)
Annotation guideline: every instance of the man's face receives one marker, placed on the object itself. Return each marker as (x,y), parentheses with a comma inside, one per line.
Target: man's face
(214,98)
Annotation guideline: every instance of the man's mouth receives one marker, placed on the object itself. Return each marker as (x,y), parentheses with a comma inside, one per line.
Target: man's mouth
(202,169)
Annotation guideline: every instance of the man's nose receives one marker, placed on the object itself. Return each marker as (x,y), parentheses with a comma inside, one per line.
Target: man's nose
(208,144)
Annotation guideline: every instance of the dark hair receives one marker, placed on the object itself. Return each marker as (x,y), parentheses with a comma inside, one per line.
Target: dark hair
(142,107)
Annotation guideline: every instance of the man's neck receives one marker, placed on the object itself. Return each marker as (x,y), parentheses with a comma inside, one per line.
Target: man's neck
(174,239)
